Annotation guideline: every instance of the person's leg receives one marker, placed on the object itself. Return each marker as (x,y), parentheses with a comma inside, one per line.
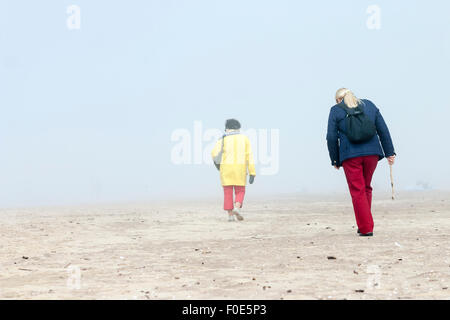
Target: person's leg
(228,199)
(370,164)
(239,196)
(353,169)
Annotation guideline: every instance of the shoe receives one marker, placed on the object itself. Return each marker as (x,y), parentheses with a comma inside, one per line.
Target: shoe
(369,234)
(237,214)
(231,218)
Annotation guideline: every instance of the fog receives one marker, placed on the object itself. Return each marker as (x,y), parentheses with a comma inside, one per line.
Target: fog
(121,100)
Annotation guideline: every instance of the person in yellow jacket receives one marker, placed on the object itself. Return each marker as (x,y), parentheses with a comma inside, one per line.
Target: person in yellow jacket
(233,156)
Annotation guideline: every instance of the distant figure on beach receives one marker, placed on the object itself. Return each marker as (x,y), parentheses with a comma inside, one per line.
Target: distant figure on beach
(233,156)
(358,138)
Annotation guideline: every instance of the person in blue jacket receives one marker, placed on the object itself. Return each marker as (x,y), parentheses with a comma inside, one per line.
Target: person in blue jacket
(359,160)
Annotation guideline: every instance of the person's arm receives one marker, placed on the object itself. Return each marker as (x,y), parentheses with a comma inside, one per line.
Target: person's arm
(385,136)
(215,151)
(249,160)
(333,140)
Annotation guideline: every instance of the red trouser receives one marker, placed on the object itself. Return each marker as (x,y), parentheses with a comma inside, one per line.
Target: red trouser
(359,172)
(228,196)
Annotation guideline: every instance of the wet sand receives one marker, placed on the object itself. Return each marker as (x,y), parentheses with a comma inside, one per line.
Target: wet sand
(297,247)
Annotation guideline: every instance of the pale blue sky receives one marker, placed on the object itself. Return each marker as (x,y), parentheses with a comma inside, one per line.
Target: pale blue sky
(87,114)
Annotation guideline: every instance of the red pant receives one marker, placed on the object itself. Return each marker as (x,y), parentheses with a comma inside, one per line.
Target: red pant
(228,196)
(359,172)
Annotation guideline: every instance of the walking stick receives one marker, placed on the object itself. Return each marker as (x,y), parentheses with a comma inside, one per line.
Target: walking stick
(392,182)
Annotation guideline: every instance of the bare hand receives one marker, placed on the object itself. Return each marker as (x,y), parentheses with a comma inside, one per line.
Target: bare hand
(337,168)
(391,160)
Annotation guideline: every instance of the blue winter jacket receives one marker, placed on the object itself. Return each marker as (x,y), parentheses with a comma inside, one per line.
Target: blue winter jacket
(341,149)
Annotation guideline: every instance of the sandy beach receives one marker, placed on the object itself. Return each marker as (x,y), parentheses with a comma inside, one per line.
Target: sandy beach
(294,247)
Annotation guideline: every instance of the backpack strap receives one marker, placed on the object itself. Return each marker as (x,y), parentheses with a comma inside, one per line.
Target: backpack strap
(217,159)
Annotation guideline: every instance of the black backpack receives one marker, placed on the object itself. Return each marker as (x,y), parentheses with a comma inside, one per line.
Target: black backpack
(359,127)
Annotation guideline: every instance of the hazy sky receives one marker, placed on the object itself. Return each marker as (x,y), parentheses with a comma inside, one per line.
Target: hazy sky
(88,114)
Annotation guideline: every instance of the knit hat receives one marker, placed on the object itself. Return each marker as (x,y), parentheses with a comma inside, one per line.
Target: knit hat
(232,124)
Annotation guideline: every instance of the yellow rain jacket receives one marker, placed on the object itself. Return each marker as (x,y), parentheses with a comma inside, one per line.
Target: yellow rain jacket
(237,158)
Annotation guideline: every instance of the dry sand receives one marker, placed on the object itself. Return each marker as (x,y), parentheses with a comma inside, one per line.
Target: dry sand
(190,251)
